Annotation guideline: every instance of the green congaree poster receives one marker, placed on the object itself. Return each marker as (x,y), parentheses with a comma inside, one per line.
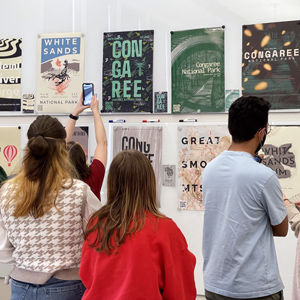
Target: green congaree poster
(198,70)
(128,71)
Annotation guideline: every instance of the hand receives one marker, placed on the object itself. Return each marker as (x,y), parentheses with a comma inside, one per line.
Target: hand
(80,107)
(94,104)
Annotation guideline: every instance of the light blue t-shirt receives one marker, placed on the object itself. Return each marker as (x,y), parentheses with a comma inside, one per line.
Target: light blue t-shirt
(242,199)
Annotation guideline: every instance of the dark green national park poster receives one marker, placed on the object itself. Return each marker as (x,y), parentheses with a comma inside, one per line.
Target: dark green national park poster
(198,70)
(128,71)
(271,63)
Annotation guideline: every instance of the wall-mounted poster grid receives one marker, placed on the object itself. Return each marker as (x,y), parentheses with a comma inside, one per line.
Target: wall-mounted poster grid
(197,145)
(271,62)
(198,70)
(282,155)
(147,140)
(128,71)
(60,70)
(10,149)
(10,75)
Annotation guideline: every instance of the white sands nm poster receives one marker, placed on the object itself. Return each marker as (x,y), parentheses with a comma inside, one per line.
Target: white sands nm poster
(282,155)
(60,70)
(10,74)
(198,145)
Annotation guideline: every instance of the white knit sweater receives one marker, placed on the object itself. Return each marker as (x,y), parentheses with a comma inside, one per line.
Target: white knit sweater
(40,248)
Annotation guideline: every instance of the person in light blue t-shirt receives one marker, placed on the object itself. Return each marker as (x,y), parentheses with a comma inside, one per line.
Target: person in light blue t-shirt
(243,210)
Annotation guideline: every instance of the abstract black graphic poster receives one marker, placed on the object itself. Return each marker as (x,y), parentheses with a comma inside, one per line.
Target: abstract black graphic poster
(271,62)
(10,74)
(127,71)
(198,70)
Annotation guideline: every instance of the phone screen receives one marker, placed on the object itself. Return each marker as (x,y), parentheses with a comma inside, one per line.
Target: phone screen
(88,92)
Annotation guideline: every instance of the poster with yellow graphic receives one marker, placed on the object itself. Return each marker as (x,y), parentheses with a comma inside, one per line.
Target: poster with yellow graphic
(270,63)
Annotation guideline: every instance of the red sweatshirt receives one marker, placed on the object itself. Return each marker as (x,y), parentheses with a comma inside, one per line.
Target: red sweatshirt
(152,264)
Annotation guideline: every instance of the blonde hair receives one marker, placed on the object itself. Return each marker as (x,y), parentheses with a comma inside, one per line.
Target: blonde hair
(45,169)
(131,192)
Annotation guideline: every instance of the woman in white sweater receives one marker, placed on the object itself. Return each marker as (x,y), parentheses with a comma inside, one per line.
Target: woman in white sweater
(43,213)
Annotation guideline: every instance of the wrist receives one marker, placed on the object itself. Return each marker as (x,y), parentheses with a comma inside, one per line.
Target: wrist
(74,117)
(286,200)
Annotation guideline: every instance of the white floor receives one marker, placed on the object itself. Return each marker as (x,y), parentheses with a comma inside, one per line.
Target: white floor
(5,291)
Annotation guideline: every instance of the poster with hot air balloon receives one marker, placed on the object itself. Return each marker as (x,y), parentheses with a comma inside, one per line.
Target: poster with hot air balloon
(10,145)
(10,74)
(60,70)
(270,63)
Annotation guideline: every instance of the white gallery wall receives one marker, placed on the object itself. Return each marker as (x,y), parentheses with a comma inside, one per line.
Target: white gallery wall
(27,18)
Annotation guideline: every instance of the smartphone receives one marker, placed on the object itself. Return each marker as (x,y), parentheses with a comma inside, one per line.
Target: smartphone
(87,93)
(257,158)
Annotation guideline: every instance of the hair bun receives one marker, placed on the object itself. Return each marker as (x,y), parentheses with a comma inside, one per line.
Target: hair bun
(38,145)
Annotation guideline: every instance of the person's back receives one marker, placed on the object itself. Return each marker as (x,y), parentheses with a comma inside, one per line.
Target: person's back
(132,251)
(43,213)
(241,259)
(243,209)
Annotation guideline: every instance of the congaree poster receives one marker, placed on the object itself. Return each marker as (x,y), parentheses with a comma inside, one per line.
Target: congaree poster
(128,71)
(10,74)
(60,70)
(147,140)
(198,70)
(271,62)
(197,145)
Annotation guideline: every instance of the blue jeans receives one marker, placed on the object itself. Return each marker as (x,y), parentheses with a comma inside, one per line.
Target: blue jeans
(53,289)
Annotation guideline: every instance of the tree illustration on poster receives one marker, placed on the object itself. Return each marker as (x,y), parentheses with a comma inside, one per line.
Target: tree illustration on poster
(127,71)
(198,70)
(270,66)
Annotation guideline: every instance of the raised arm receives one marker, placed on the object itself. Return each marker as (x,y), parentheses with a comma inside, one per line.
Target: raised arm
(101,148)
(73,118)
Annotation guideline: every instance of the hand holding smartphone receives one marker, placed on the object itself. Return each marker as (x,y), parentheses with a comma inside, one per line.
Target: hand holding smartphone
(87,93)
(257,158)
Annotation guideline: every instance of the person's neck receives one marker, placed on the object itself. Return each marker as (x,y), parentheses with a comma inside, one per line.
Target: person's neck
(244,147)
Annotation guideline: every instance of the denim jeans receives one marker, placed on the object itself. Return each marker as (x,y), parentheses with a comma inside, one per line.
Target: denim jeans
(213,296)
(53,289)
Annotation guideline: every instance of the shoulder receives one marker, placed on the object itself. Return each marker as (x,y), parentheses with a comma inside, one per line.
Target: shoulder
(168,231)
(96,163)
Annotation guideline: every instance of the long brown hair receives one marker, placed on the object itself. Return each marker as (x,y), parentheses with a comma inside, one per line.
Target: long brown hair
(131,192)
(78,159)
(45,169)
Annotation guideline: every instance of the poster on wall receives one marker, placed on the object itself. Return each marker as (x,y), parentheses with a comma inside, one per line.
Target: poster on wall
(230,97)
(60,70)
(198,70)
(28,103)
(161,102)
(10,74)
(197,146)
(271,62)
(81,136)
(10,148)
(128,71)
(147,140)
(282,155)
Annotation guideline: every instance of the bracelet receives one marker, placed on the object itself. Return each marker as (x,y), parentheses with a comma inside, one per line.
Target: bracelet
(73,117)
(286,199)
